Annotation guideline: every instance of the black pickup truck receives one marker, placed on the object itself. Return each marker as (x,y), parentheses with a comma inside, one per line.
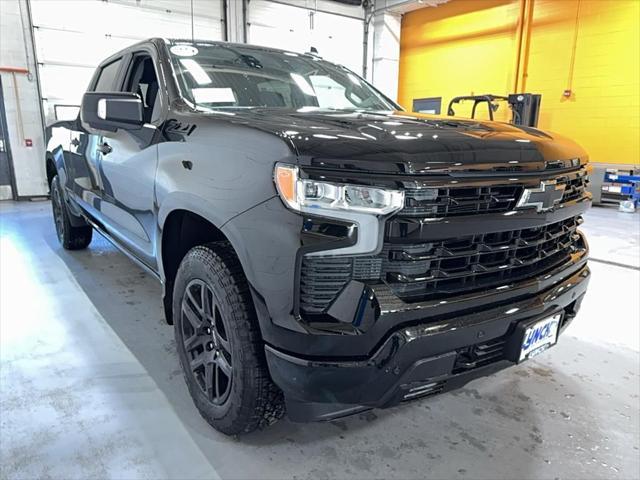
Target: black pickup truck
(319,248)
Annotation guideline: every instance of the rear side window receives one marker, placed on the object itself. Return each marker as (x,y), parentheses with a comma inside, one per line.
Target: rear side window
(107,78)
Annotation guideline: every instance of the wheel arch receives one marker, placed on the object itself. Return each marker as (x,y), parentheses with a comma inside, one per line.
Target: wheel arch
(50,166)
(55,164)
(182,230)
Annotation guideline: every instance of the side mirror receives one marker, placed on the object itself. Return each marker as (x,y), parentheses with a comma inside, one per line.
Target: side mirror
(111,111)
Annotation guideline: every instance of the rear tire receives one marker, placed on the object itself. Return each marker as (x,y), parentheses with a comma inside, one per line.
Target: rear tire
(70,237)
(219,342)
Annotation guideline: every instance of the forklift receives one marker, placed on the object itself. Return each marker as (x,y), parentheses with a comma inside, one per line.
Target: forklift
(607,185)
(525,107)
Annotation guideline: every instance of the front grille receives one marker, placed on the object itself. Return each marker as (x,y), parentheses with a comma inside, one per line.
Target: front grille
(453,201)
(442,268)
(575,188)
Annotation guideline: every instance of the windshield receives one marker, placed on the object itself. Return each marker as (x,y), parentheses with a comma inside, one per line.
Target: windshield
(214,76)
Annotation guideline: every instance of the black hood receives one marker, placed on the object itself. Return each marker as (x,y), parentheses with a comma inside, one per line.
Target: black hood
(411,143)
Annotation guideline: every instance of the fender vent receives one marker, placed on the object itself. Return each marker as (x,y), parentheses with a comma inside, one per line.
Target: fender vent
(323,278)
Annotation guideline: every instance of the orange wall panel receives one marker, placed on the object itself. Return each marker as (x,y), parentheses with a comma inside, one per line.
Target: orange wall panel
(471,46)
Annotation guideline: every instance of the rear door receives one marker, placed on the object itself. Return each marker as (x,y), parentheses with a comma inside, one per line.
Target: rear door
(82,163)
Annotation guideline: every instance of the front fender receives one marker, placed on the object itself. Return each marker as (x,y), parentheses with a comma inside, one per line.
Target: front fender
(266,239)
(191,203)
(217,172)
(183,201)
(219,169)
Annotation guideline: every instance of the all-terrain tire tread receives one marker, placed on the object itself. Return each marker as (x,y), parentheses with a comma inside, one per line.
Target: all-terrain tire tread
(265,404)
(73,238)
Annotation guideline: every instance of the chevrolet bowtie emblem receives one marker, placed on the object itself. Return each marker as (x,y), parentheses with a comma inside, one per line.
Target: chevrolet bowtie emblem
(544,198)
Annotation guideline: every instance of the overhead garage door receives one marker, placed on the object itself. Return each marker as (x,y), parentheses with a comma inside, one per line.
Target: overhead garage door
(69,48)
(337,38)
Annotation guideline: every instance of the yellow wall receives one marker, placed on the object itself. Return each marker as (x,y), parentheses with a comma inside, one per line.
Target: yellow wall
(471,46)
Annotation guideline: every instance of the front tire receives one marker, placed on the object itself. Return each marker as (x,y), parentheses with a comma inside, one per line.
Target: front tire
(219,343)
(70,237)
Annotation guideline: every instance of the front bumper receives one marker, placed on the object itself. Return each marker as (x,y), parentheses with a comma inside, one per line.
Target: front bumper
(401,350)
(421,359)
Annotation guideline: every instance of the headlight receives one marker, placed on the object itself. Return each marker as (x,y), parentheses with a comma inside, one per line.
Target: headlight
(309,196)
(361,206)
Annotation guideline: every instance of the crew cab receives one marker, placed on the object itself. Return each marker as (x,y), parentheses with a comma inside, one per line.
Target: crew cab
(321,251)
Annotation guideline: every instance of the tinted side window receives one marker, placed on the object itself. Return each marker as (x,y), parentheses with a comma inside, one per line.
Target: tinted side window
(142,80)
(107,79)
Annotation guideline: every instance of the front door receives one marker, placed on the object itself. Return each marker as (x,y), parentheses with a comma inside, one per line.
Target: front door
(128,162)
(127,205)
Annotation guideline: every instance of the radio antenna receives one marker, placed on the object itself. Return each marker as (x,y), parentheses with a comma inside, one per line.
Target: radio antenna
(192,35)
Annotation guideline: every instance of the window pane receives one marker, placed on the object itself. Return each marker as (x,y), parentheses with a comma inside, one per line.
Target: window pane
(225,76)
(329,92)
(107,78)
(66,112)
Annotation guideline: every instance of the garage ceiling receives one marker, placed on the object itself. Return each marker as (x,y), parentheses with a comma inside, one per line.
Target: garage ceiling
(405,6)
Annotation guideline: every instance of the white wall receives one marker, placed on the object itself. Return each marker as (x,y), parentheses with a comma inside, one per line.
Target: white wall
(298,26)
(384,51)
(28,162)
(328,6)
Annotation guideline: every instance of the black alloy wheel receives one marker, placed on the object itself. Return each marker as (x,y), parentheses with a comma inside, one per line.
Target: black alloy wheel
(70,237)
(219,342)
(58,215)
(204,333)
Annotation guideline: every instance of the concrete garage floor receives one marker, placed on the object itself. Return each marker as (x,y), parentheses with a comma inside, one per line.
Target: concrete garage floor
(90,384)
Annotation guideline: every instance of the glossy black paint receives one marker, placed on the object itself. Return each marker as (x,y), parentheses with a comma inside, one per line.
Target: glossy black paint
(415,356)
(411,143)
(121,110)
(219,166)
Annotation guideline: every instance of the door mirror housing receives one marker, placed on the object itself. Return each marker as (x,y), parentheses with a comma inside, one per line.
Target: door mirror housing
(111,111)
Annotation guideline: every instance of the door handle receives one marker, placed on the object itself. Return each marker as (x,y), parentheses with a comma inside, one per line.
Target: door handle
(105,148)
(75,142)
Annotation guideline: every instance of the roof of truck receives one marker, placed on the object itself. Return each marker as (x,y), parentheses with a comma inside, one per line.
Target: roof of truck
(175,41)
